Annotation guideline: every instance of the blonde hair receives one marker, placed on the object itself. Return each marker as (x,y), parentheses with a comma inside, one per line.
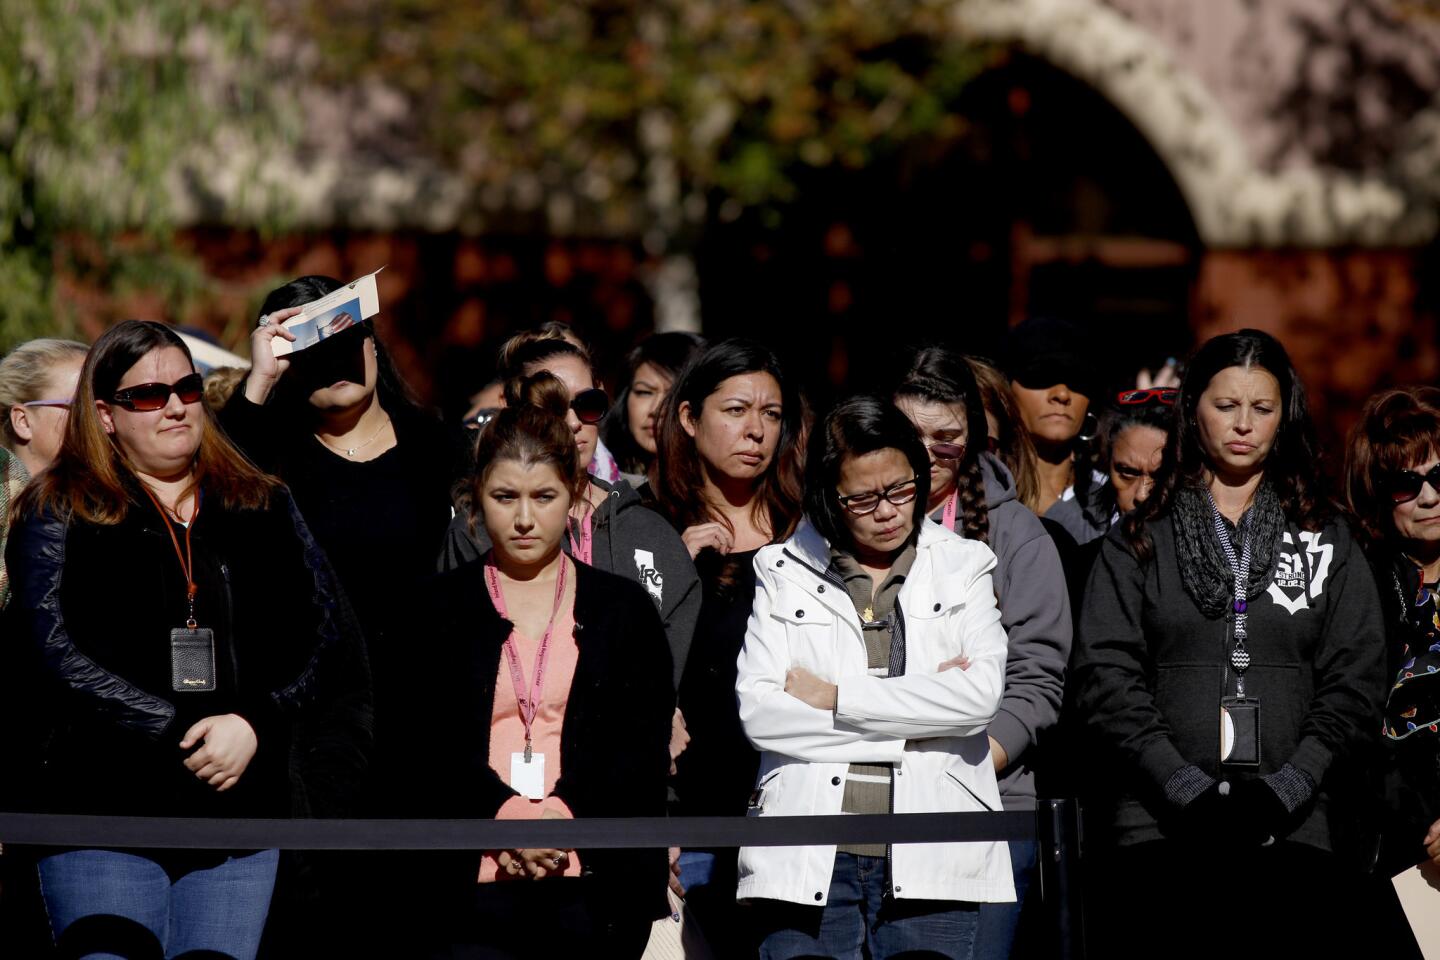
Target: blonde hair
(26,371)
(220,384)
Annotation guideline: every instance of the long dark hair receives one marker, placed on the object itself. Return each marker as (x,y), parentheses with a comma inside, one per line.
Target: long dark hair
(938,375)
(394,394)
(91,478)
(854,428)
(667,353)
(1397,429)
(679,479)
(1293,464)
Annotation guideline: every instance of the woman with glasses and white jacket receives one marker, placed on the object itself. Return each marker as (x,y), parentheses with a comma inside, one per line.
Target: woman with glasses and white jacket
(873,663)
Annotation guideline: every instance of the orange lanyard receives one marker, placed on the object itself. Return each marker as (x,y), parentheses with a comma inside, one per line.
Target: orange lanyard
(186,562)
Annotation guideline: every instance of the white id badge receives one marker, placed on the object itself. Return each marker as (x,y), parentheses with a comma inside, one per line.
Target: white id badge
(528,779)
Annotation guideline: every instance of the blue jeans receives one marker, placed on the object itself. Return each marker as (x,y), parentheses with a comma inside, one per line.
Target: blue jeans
(105,904)
(999,921)
(858,920)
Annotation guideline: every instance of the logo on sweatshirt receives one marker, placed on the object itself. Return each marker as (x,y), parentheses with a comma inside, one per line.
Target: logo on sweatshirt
(650,578)
(1299,579)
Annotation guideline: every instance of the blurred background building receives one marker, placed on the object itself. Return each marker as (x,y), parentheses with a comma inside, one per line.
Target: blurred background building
(833,177)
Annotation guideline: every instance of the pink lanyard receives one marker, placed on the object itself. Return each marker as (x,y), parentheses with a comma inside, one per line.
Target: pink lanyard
(583,547)
(948,517)
(529,706)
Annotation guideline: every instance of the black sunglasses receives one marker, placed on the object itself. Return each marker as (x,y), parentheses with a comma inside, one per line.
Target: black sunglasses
(591,405)
(1405,485)
(146,397)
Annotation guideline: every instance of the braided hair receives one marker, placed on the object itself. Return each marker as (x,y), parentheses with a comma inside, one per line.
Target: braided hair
(938,375)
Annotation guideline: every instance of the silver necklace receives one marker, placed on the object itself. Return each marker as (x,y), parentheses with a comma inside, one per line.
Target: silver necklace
(351,451)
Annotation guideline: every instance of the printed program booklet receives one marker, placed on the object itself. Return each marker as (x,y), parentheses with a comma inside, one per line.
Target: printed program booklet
(336,311)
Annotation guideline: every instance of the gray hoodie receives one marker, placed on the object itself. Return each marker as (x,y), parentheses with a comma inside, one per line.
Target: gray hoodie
(1035,612)
(628,536)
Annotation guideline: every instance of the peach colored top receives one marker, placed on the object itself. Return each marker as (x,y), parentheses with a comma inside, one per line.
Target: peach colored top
(507,730)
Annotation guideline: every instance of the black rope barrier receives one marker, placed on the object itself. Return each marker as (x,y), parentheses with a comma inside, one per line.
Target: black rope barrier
(65,830)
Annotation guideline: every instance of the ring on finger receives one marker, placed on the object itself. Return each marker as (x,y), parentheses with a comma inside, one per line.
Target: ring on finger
(264,321)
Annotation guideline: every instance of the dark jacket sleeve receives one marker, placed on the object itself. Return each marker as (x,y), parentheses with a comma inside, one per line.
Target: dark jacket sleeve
(462,546)
(36,559)
(1348,666)
(335,735)
(681,593)
(250,427)
(1113,668)
(1035,612)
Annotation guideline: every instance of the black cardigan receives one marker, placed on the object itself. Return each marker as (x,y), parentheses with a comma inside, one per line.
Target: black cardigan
(434,702)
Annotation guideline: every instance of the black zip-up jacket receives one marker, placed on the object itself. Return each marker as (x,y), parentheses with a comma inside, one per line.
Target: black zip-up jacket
(1151,668)
(91,618)
(434,703)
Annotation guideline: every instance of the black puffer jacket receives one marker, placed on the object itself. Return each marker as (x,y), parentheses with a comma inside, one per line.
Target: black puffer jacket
(91,616)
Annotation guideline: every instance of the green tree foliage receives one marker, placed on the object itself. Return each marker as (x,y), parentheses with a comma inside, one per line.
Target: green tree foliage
(106,106)
(637,115)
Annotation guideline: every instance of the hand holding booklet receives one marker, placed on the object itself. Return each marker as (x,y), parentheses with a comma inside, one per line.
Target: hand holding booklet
(336,311)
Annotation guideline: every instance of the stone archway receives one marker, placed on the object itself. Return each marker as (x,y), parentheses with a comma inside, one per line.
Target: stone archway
(1235,203)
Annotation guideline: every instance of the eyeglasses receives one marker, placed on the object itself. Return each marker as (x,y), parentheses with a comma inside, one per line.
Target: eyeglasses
(897,495)
(946,449)
(1405,485)
(145,397)
(1165,395)
(591,405)
(46,403)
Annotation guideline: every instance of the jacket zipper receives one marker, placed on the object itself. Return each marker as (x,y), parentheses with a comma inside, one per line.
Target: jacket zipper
(230,628)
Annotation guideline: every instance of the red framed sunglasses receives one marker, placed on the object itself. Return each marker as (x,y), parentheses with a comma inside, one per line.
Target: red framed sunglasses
(147,397)
(1165,395)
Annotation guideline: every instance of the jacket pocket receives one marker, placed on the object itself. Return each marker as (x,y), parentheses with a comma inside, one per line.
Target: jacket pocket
(965,788)
(795,606)
(766,790)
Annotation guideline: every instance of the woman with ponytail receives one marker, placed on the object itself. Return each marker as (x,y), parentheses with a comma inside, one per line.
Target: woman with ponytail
(973,494)
(543,691)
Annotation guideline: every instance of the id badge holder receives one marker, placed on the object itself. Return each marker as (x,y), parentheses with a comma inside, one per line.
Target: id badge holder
(1240,732)
(527,775)
(192,659)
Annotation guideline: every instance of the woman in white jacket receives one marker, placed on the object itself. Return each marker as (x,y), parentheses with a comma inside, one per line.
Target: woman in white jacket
(873,663)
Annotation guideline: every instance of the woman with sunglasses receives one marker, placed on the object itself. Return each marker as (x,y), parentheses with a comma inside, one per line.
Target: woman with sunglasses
(1133,434)
(630,428)
(1392,487)
(37,383)
(972,494)
(1230,658)
(545,693)
(873,664)
(610,528)
(1052,378)
(175,605)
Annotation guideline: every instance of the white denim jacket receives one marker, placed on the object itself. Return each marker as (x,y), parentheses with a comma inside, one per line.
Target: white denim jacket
(929,724)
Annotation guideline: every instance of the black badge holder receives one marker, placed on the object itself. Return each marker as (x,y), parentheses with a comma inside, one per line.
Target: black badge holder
(192,659)
(1240,732)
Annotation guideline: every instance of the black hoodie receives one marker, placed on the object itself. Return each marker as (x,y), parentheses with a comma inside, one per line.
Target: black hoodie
(1150,669)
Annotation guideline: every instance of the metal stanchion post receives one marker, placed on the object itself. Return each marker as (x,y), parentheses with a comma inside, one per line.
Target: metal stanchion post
(1058,830)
